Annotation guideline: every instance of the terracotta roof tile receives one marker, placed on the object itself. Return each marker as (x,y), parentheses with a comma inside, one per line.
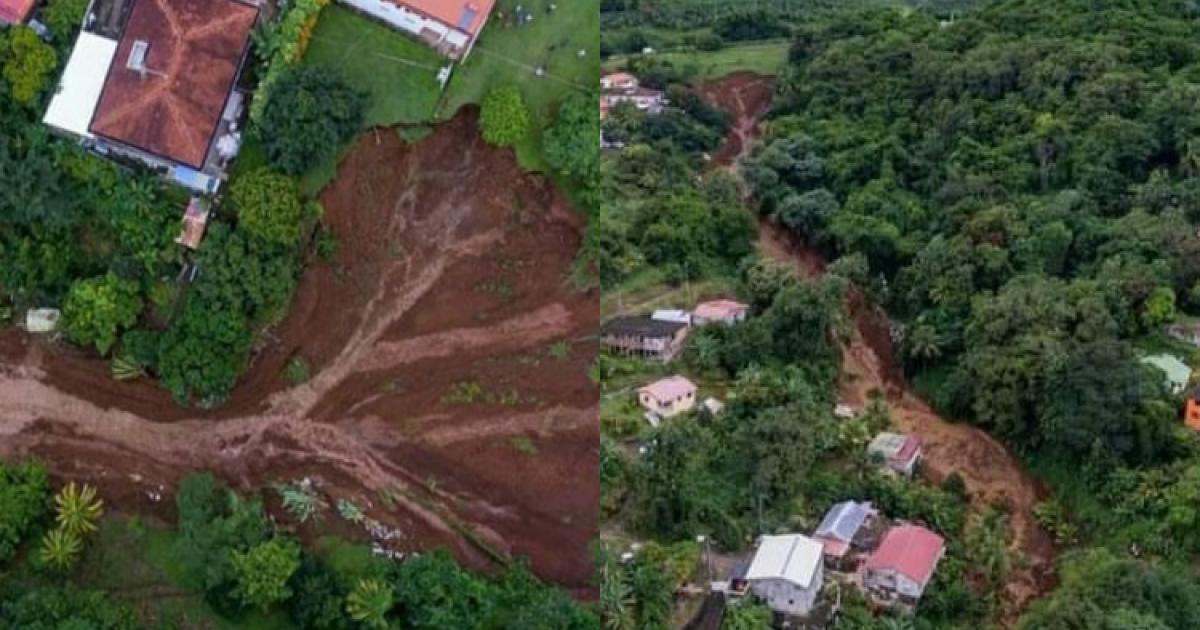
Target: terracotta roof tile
(15,11)
(910,550)
(195,48)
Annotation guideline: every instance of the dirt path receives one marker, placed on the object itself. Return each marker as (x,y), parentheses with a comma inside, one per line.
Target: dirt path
(992,475)
(451,277)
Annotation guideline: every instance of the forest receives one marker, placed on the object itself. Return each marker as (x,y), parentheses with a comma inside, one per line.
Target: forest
(1018,188)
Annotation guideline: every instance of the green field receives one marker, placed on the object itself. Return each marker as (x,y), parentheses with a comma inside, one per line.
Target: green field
(507,54)
(765,58)
(399,73)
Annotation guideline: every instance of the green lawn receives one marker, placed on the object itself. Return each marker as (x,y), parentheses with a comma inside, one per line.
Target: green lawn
(765,58)
(508,54)
(399,73)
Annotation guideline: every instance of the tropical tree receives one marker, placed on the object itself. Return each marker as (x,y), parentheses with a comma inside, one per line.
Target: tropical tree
(60,549)
(79,509)
(98,309)
(268,206)
(570,143)
(503,116)
(30,62)
(370,602)
(309,113)
(263,571)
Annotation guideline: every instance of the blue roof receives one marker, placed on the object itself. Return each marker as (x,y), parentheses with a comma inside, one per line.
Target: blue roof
(842,521)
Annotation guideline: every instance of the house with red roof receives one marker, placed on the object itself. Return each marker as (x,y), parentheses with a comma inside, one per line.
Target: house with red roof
(15,11)
(449,26)
(163,93)
(897,573)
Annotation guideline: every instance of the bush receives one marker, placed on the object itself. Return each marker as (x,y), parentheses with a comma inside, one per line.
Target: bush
(30,62)
(98,309)
(268,206)
(263,572)
(24,499)
(311,112)
(504,118)
(571,141)
(64,17)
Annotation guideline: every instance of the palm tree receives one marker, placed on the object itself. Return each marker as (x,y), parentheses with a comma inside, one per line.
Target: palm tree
(78,508)
(924,342)
(370,602)
(616,599)
(60,549)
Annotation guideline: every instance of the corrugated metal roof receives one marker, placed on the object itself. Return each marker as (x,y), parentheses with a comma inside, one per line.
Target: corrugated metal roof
(793,557)
(910,550)
(843,521)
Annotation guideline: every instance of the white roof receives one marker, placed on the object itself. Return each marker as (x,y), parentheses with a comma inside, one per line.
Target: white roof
(74,102)
(793,557)
(672,315)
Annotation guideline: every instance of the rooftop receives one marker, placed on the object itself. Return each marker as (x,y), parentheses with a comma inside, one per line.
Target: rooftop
(640,326)
(465,15)
(1177,371)
(15,11)
(719,309)
(792,557)
(843,521)
(175,66)
(894,446)
(669,388)
(910,550)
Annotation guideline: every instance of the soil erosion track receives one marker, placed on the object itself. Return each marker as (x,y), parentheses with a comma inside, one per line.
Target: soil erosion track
(449,388)
(992,475)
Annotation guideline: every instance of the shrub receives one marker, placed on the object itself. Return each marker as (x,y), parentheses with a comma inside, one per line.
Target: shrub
(24,498)
(504,118)
(263,572)
(30,62)
(268,206)
(98,309)
(311,112)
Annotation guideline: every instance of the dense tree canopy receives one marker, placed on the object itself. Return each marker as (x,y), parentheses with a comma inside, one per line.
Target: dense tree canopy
(503,116)
(312,112)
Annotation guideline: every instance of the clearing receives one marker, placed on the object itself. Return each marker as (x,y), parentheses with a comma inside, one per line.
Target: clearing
(758,57)
(449,357)
(993,476)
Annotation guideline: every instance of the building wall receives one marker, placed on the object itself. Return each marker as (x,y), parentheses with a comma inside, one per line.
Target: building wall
(668,408)
(786,597)
(452,42)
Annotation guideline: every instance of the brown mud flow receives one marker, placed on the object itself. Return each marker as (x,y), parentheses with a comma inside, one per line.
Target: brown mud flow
(449,355)
(992,475)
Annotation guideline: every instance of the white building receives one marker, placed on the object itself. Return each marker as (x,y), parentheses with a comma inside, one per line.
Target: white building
(787,573)
(668,397)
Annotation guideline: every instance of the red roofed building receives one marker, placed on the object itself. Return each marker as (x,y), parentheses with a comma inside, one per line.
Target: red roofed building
(900,569)
(449,26)
(15,11)
(174,70)
(726,312)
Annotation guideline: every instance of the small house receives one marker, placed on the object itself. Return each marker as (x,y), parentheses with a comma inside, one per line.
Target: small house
(15,11)
(619,82)
(1187,332)
(1176,372)
(195,220)
(42,320)
(846,526)
(787,573)
(672,315)
(713,406)
(896,574)
(668,397)
(643,337)
(1191,410)
(726,312)
(896,451)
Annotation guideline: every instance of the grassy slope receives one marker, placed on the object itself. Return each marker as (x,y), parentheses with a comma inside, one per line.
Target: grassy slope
(764,57)
(508,54)
(399,73)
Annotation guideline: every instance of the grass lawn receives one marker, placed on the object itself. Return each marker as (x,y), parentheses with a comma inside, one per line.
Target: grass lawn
(765,58)
(399,73)
(507,54)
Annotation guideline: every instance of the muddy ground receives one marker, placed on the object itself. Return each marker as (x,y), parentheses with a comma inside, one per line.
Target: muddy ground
(992,475)
(449,356)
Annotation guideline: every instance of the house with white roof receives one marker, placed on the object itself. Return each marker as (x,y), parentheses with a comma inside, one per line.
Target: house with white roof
(787,573)
(896,451)
(1176,373)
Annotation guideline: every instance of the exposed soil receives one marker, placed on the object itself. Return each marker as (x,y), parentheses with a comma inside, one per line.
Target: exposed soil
(747,96)
(992,475)
(435,398)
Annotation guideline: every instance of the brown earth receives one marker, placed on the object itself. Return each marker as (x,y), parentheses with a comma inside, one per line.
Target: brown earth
(435,398)
(992,475)
(747,96)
